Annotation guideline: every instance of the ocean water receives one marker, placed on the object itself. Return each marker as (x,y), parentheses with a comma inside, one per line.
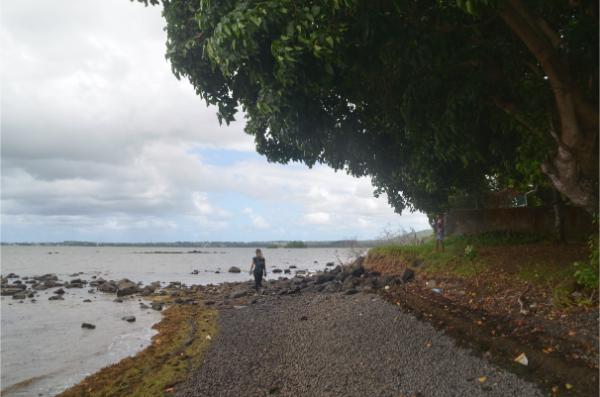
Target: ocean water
(43,348)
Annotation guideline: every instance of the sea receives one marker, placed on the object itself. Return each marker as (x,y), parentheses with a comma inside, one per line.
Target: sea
(44,350)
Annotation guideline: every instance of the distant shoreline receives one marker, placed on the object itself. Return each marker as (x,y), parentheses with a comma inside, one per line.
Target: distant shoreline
(274,244)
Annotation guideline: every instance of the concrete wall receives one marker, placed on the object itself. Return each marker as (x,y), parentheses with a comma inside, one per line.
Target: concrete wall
(540,220)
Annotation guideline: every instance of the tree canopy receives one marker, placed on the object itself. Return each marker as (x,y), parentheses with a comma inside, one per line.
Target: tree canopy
(431,98)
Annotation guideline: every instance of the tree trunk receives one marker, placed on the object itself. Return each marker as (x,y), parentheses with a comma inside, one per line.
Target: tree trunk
(559,217)
(573,168)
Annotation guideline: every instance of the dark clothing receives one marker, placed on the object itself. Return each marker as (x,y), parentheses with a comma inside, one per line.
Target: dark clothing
(259,270)
(259,265)
(258,281)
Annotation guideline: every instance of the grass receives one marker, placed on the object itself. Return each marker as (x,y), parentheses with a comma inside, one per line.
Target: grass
(528,258)
(175,351)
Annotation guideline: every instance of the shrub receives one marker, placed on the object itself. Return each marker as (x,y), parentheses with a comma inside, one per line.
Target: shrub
(586,273)
(470,252)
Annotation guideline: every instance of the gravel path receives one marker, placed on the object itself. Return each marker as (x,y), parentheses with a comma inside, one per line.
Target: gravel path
(315,344)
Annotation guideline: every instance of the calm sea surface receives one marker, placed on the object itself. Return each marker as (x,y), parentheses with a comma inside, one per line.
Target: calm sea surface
(43,348)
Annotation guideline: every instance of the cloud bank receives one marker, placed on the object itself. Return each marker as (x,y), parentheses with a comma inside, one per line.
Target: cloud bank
(100,142)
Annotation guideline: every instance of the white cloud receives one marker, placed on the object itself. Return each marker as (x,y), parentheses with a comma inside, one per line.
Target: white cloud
(318,218)
(257,220)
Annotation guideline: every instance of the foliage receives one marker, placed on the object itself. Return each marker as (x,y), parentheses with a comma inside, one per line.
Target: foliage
(470,252)
(586,273)
(295,244)
(430,98)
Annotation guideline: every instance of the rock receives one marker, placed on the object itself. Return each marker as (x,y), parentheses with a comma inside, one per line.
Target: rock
(31,294)
(303,318)
(195,271)
(59,291)
(324,277)
(300,271)
(287,271)
(10,290)
(107,287)
(12,275)
(56,298)
(88,326)
(126,287)
(234,269)
(332,287)
(46,277)
(341,276)
(293,267)
(78,281)
(157,306)
(91,291)
(408,275)
(357,270)
(431,284)
(277,271)
(129,319)
(97,282)
(17,282)
(209,303)
(19,295)
(87,300)
(240,294)
(118,300)
(148,290)
(329,264)
(350,282)
(217,272)
(144,306)
(351,291)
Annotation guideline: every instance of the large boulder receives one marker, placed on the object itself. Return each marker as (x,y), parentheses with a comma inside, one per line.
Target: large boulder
(126,287)
(234,269)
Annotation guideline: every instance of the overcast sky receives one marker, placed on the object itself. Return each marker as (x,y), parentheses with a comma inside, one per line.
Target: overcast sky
(100,142)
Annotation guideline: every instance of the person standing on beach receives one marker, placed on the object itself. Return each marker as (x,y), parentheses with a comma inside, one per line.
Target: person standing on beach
(439,234)
(259,269)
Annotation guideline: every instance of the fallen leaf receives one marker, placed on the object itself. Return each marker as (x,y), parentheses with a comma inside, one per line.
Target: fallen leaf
(554,390)
(428,344)
(208,337)
(572,333)
(482,379)
(568,386)
(548,350)
(522,359)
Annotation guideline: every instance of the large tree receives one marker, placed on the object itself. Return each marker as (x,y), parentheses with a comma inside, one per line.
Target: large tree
(431,98)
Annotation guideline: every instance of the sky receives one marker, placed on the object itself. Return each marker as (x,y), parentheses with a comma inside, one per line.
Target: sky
(100,142)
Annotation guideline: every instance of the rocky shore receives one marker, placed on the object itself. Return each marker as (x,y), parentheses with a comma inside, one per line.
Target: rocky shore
(339,331)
